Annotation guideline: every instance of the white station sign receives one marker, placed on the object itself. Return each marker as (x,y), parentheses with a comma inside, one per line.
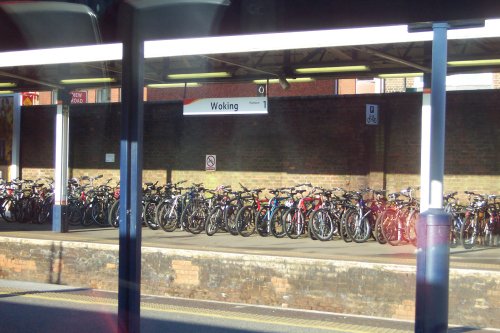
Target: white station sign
(225,106)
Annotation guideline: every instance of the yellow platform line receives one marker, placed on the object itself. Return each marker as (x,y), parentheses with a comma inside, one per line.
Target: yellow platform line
(203,312)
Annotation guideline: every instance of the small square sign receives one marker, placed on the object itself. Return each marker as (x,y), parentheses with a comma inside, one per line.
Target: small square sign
(210,162)
(371,114)
(110,158)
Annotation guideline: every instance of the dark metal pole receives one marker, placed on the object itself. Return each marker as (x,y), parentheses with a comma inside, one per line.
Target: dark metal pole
(129,280)
(434,225)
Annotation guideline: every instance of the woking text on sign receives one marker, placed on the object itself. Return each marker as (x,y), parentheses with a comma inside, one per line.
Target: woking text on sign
(225,106)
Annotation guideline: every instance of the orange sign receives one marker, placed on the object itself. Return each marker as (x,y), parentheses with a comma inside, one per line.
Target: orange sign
(30,98)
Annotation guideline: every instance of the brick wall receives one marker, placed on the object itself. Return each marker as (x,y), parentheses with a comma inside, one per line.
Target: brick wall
(323,140)
(394,85)
(324,285)
(496,80)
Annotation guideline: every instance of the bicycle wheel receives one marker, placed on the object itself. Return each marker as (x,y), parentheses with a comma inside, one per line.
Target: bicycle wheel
(390,227)
(167,216)
(149,215)
(245,221)
(293,222)
(74,213)
(358,227)
(186,212)
(262,221)
(411,226)
(343,228)
(456,224)
(196,220)
(45,212)
(321,225)
(114,214)
(377,232)
(230,220)
(8,209)
(214,221)
(87,218)
(98,213)
(468,233)
(276,221)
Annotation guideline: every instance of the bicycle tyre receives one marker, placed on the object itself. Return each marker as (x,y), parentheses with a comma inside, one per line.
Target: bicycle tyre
(293,222)
(377,232)
(197,219)
(262,221)
(411,226)
(74,214)
(167,216)
(230,220)
(358,227)
(468,234)
(276,220)
(390,227)
(99,214)
(114,214)
(214,221)
(245,221)
(45,212)
(321,225)
(342,227)
(149,215)
(7,211)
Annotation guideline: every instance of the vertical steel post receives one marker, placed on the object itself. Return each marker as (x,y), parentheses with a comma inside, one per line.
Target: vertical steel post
(14,171)
(129,279)
(431,313)
(61,166)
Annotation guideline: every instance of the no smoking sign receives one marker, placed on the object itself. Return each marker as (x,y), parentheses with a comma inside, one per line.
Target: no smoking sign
(210,162)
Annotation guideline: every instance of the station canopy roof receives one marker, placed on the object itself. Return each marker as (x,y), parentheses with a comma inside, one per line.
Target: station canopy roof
(48,24)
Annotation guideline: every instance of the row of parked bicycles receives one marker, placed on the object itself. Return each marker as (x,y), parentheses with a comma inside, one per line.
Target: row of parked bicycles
(299,211)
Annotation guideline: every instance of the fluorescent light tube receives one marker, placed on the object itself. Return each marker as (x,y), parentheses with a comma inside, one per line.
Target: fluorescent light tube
(466,63)
(173,85)
(7,85)
(396,75)
(242,43)
(208,75)
(88,80)
(297,80)
(337,69)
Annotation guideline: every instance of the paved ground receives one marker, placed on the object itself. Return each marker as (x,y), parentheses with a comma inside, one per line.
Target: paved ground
(35,307)
(477,258)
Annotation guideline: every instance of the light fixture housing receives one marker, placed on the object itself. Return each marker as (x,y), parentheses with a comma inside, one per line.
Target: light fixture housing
(88,80)
(241,43)
(400,75)
(467,63)
(207,75)
(174,85)
(289,80)
(336,69)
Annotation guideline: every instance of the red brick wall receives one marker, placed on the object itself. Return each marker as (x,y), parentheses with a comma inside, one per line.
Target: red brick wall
(323,140)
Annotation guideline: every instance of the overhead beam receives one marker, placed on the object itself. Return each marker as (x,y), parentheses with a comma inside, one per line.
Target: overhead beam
(27,79)
(392,58)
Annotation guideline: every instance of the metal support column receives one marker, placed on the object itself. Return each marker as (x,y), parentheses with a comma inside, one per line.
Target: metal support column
(15,166)
(433,231)
(129,279)
(61,168)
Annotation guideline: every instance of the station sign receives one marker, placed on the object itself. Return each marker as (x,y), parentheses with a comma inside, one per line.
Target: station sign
(78,97)
(225,106)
